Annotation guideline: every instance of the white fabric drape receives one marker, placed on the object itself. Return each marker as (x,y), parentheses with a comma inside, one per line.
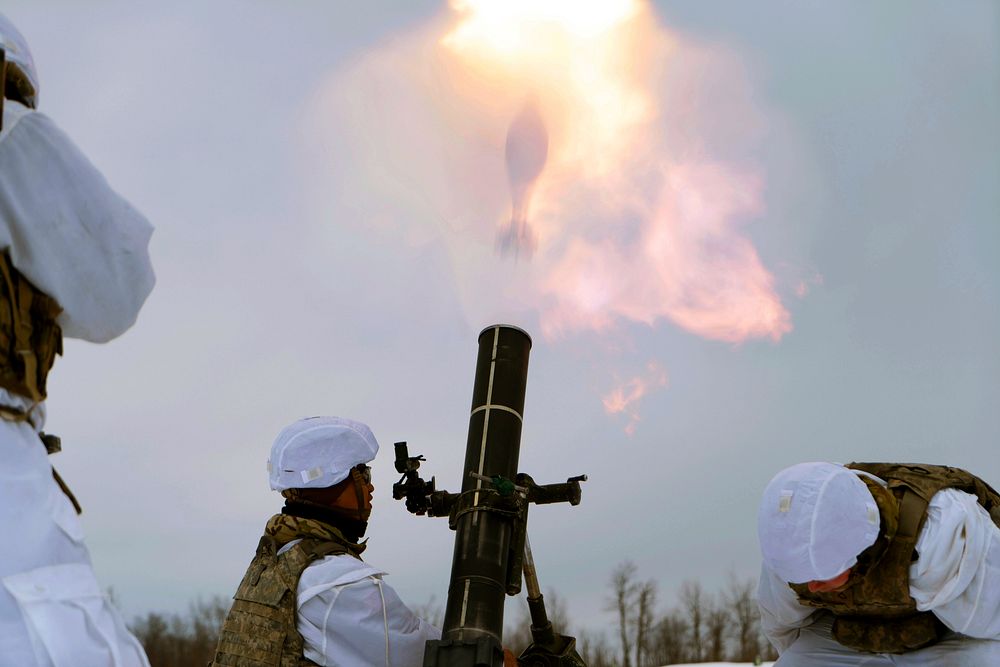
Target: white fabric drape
(67,231)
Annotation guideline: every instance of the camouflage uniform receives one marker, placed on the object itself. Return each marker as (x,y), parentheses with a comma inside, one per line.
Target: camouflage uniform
(261,628)
(283,595)
(876,612)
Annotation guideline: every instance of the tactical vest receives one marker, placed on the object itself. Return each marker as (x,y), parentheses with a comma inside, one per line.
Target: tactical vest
(876,613)
(30,339)
(261,628)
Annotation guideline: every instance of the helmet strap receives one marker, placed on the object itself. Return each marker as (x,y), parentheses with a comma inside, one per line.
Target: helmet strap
(359,492)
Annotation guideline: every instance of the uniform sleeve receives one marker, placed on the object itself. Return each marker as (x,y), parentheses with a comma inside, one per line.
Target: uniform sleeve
(781,615)
(70,619)
(364,624)
(69,233)
(957,573)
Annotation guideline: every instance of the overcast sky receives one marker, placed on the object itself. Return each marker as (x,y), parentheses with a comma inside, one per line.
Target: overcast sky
(324,245)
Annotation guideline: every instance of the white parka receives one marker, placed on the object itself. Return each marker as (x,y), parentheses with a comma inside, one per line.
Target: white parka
(83,245)
(349,617)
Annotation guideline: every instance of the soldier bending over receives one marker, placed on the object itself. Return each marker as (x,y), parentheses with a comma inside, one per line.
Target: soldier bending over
(880,564)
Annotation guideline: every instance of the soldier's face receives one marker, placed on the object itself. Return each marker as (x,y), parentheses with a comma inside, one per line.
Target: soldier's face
(369,489)
(362,477)
(834,585)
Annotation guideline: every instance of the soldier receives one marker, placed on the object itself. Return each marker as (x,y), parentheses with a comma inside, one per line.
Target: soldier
(73,262)
(307,597)
(880,564)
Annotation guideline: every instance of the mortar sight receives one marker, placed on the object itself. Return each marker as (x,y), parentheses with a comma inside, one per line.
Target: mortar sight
(410,486)
(404,462)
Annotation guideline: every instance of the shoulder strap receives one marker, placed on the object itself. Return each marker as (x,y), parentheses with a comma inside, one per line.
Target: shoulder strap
(291,563)
(924,480)
(317,549)
(912,509)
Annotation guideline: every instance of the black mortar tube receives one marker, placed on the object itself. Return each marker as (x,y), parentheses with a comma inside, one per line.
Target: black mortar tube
(476,593)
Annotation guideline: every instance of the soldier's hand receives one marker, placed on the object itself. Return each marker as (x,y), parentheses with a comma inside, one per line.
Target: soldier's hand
(509,660)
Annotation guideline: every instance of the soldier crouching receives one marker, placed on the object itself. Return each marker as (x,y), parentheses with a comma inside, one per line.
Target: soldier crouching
(880,564)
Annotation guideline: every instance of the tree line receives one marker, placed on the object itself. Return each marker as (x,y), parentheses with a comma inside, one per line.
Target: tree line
(699,626)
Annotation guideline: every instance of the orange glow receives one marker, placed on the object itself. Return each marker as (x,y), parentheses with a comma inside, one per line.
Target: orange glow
(689,264)
(637,186)
(589,69)
(581,60)
(500,23)
(624,396)
(804,285)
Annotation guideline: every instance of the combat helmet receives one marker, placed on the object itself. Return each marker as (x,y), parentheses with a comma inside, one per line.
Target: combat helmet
(21,81)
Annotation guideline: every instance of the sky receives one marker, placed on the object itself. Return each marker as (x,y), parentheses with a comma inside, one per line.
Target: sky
(764,233)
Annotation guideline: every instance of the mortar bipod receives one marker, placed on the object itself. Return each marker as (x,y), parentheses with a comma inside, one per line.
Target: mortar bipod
(547,648)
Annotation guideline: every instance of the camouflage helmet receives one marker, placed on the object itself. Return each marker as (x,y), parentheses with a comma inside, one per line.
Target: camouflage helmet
(318,452)
(22,78)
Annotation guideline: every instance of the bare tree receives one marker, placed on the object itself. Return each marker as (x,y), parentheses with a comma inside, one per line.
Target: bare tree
(595,650)
(693,603)
(717,626)
(180,641)
(555,609)
(153,633)
(646,596)
(623,592)
(742,601)
(517,635)
(206,619)
(517,628)
(669,641)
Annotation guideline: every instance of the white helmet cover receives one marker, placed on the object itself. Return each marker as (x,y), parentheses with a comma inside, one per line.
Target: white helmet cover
(19,56)
(814,521)
(318,452)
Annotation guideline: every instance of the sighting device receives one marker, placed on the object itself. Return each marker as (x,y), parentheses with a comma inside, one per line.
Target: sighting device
(489,517)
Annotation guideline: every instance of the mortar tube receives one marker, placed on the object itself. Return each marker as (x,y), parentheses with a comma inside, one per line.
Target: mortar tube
(477,588)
